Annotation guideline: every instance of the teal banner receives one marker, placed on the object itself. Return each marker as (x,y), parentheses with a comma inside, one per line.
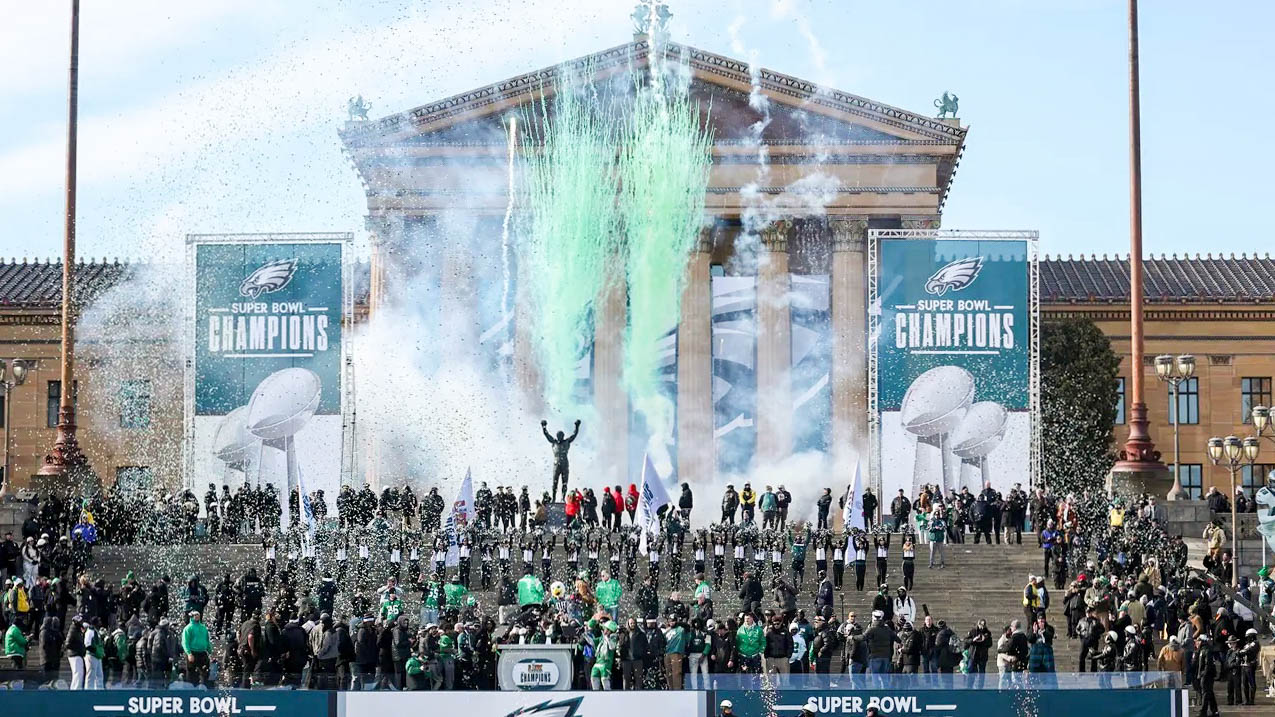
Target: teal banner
(955,703)
(954,302)
(86,703)
(263,307)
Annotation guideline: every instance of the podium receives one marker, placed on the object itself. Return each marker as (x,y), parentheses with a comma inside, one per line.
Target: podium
(535,668)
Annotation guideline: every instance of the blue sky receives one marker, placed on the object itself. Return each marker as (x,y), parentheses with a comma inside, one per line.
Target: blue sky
(222,116)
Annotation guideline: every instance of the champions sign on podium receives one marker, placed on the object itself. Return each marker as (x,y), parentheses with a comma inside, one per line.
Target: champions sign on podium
(535,667)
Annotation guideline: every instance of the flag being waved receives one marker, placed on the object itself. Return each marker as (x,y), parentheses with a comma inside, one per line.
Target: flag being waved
(653,496)
(460,516)
(852,502)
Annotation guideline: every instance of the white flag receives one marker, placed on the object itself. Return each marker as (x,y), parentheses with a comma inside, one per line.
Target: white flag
(307,508)
(653,496)
(460,516)
(852,511)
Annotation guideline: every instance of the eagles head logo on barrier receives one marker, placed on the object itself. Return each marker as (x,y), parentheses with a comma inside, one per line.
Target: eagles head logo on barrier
(955,276)
(268,278)
(550,708)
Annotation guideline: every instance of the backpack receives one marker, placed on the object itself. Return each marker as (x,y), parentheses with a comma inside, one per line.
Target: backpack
(954,645)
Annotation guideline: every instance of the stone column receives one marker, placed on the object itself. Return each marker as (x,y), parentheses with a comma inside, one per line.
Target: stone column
(526,364)
(774,347)
(387,236)
(849,345)
(696,458)
(609,397)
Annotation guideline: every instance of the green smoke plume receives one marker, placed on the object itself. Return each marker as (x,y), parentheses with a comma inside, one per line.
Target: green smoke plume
(572,226)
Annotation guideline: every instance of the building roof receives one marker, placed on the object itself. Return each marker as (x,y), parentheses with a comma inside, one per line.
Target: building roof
(1166,279)
(1208,279)
(38,284)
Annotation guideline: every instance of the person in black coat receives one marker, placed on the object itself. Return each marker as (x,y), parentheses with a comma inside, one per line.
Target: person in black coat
(269,656)
(366,654)
(295,653)
(633,651)
(385,656)
(51,647)
(685,502)
(750,594)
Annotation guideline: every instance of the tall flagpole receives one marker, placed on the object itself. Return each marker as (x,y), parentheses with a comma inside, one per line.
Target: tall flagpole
(65,459)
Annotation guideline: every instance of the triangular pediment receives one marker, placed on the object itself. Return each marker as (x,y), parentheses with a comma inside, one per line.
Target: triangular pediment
(799,112)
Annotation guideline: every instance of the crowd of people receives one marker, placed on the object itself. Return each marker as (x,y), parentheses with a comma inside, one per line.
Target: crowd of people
(736,599)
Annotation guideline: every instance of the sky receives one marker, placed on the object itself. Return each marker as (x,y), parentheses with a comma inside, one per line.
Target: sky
(222,116)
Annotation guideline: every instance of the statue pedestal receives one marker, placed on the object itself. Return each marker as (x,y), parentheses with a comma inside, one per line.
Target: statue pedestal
(556,515)
(1127,482)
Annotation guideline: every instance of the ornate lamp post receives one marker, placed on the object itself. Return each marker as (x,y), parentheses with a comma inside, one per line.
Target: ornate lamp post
(1174,372)
(9,380)
(65,459)
(1262,423)
(1233,453)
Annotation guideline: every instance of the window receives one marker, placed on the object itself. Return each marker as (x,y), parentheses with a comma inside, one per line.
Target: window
(1191,476)
(1120,401)
(1188,402)
(1253,477)
(135,403)
(55,399)
(1254,392)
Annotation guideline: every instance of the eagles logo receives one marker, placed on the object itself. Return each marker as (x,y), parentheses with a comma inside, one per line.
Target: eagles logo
(955,276)
(268,278)
(562,708)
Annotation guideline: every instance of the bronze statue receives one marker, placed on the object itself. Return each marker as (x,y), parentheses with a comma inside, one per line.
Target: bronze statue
(946,105)
(358,108)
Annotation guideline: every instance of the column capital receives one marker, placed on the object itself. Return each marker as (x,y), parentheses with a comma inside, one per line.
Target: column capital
(774,236)
(849,233)
(383,227)
(920,221)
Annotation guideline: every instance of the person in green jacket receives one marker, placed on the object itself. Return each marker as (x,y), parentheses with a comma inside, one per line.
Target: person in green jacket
(391,608)
(15,646)
(197,646)
(609,591)
(530,590)
(749,641)
(604,650)
(447,661)
(415,673)
(455,594)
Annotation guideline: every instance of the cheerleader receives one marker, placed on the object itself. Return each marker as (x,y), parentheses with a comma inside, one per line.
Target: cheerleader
(573,558)
(546,556)
(484,576)
(822,543)
(463,553)
(271,564)
(653,567)
(838,559)
(799,543)
(759,557)
(595,547)
(882,545)
(414,560)
(630,558)
(292,557)
(860,560)
(698,544)
(309,559)
(719,558)
(503,549)
(440,558)
(396,561)
(613,553)
(675,559)
(776,556)
(528,556)
(738,562)
(909,560)
(342,557)
(365,557)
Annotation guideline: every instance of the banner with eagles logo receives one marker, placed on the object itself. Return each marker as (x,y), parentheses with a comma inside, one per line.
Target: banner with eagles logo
(953,363)
(267,360)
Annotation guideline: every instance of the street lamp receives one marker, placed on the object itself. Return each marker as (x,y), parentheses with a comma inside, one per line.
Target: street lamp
(1173,372)
(1233,452)
(1262,422)
(10,379)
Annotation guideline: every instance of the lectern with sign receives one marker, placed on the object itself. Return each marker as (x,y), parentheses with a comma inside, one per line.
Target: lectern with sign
(535,667)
